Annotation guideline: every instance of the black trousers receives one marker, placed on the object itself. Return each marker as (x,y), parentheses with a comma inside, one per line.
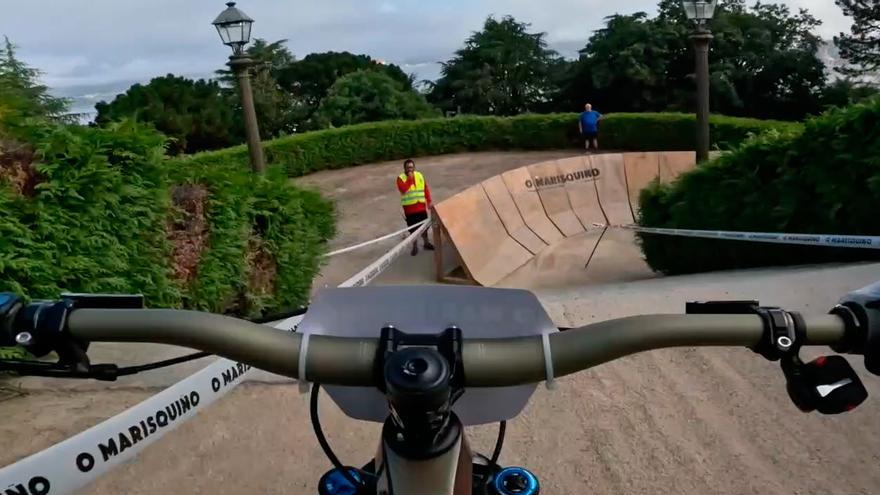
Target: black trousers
(414,218)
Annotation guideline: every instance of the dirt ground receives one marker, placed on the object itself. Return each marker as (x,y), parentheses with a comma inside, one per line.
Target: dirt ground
(691,421)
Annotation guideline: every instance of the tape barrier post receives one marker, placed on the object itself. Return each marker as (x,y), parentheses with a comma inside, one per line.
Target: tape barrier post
(850,241)
(82,458)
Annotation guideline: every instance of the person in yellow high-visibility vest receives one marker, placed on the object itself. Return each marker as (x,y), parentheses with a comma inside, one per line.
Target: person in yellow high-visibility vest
(415,197)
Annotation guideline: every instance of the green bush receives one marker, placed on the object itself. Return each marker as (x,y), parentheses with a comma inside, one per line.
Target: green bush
(98,221)
(294,224)
(822,179)
(95,222)
(676,131)
(367,143)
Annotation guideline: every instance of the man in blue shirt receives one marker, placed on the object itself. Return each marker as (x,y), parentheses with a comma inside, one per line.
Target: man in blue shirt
(589,126)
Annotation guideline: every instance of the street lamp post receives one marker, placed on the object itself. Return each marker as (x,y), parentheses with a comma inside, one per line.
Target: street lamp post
(701,12)
(235,31)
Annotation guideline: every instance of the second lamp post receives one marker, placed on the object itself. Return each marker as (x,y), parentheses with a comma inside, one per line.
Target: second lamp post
(235,31)
(701,12)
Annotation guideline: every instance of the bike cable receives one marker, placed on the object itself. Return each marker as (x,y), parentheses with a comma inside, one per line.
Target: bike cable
(131,370)
(499,444)
(322,440)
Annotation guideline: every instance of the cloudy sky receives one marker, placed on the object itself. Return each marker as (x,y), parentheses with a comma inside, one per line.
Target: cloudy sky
(104,45)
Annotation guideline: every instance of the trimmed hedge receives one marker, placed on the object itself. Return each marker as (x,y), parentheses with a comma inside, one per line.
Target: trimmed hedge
(98,222)
(293,223)
(309,152)
(676,131)
(823,179)
(95,221)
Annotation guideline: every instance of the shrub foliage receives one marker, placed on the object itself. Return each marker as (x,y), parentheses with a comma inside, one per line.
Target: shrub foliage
(821,179)
(368,143)
(98,221)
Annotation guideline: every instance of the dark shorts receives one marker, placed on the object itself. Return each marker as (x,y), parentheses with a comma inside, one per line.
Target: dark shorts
(590,135)
(415,218)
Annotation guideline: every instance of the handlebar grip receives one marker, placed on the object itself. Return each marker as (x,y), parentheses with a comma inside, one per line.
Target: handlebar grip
(865,305)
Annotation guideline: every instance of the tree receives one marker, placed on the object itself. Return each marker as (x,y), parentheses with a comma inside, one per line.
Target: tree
(502,70)
(194,114)
(309,80)
(268,57)
(278,113)
(21,92)
(624,66)
(845,92)
(763,63)
(767,59)
(368,96)
(861,48)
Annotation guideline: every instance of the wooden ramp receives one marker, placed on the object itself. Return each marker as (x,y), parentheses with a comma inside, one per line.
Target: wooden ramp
(641,169)
(529,205)
(504,206)
(611,186)
(554,198)
(476,232)
(675,163)
(548,217)
(581,192)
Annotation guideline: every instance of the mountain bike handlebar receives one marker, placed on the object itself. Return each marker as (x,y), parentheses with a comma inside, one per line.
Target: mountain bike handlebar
(422,375)
(488,362)
(827,384)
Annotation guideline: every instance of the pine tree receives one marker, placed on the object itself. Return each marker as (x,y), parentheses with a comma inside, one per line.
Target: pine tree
(861,48)
(21,91)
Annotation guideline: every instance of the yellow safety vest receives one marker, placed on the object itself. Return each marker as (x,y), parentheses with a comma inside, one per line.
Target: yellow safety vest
(416,192)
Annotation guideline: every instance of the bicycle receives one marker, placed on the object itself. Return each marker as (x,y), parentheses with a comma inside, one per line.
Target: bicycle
(422,375)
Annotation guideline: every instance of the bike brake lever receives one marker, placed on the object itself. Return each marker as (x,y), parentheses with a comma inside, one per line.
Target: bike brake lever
(828,385)
(102,372)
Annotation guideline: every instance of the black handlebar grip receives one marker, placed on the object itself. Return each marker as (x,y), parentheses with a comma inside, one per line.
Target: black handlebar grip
(865,304)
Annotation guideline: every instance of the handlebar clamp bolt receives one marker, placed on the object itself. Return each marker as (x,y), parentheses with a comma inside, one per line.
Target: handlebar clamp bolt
(784,343)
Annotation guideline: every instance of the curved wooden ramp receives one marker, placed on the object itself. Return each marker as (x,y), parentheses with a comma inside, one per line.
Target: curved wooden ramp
(529,205)
(641,169)
(581,192)
(554,198)
(504,206)
(515,222)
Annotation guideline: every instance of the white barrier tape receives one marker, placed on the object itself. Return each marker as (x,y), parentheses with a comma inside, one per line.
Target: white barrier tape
(374,241)
(79,460)
(372,271)
(850,241)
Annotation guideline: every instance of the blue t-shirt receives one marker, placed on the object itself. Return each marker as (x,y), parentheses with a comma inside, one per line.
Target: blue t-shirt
(589,121)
